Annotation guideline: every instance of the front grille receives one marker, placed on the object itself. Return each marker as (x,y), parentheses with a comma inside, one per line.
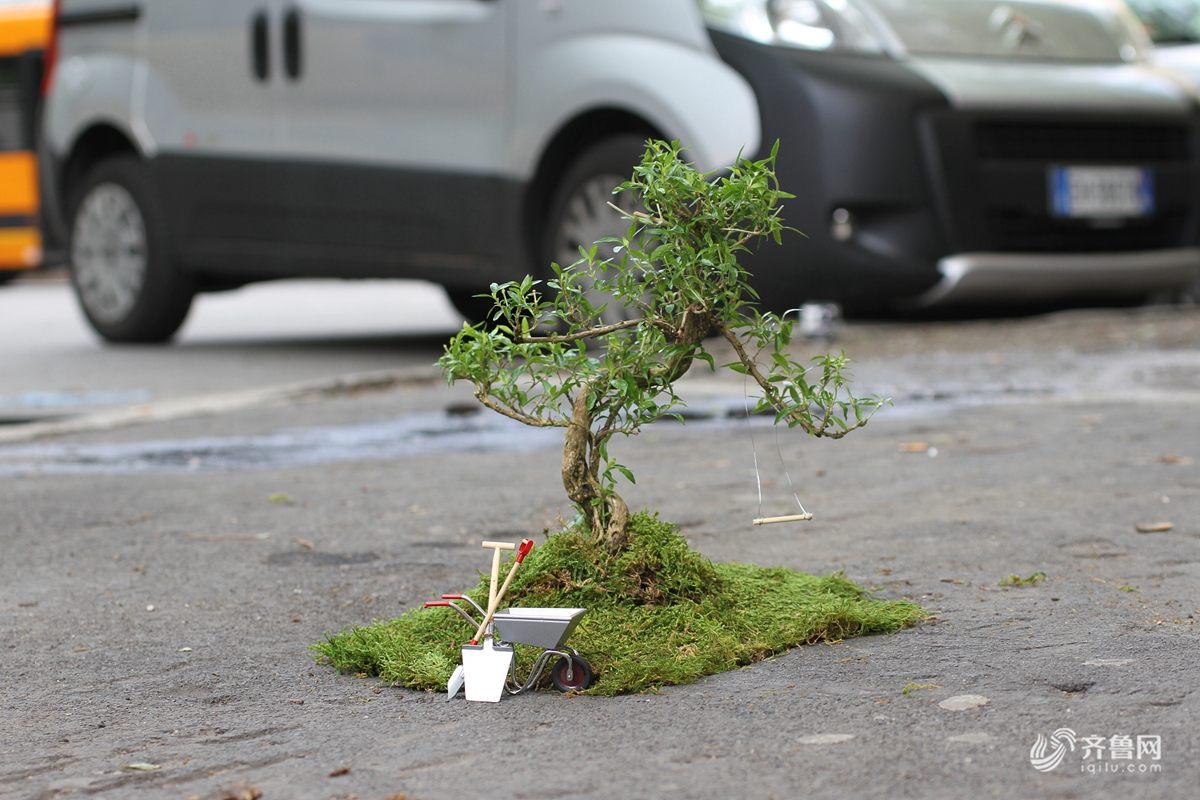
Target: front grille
(1020,232)
(1078,143)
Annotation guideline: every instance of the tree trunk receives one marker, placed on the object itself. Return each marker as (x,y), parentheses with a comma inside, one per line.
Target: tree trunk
(607,518)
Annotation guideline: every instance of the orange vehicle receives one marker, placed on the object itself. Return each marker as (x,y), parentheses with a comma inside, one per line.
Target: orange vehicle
(24,34)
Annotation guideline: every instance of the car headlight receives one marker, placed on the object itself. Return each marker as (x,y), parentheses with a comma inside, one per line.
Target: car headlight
(805,24)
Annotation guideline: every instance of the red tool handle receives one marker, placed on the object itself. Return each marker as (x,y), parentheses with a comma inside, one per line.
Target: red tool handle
(435,603)
(452,597)
(523,550)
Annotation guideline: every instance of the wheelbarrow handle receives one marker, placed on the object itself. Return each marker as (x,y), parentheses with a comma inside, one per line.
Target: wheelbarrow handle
(478,607)
(462,613)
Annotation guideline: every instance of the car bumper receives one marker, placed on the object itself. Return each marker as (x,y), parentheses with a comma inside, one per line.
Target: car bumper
(1028,277)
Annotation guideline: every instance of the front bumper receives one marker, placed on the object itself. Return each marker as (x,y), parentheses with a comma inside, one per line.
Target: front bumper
(1045,277)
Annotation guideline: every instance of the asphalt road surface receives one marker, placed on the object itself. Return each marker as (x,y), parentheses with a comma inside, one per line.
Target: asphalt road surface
(157,604)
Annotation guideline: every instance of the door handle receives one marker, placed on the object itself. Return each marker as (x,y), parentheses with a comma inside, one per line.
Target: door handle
(260,46)
(292,50)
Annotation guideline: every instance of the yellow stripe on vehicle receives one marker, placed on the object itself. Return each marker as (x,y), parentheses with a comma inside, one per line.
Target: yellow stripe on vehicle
(24,27)
(20,248)
(18,183)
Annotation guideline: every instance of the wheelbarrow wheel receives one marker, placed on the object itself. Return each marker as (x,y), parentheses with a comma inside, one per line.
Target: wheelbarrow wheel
(581,674)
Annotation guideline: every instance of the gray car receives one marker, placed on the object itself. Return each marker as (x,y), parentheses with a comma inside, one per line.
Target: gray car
(940,151)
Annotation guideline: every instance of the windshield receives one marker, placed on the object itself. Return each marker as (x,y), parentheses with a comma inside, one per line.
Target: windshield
(1055,30)
(833,25)
(1169,21)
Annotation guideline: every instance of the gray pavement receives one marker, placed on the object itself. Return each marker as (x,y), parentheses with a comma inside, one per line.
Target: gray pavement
(260,335)
(161,616)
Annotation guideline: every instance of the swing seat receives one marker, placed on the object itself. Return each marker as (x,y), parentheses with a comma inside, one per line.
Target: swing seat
(788,518)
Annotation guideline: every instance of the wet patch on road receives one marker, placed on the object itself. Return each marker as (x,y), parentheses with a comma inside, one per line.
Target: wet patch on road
(424,434)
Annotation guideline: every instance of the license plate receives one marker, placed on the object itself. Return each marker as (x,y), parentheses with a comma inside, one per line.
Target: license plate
(1101,192)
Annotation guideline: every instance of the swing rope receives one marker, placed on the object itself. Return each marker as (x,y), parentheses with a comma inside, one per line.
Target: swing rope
(760,519)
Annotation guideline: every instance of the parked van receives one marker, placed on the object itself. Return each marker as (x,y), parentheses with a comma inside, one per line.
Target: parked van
(940,150)
(24,32)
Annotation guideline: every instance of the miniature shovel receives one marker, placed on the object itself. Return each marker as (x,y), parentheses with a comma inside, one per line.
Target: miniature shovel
(455,683)
(522,551)
(486,666)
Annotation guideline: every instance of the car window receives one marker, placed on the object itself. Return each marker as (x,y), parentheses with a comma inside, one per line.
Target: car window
(10,120)
(1055,30)
(1169,21)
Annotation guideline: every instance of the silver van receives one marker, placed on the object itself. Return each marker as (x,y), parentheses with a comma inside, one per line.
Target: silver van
(940,151)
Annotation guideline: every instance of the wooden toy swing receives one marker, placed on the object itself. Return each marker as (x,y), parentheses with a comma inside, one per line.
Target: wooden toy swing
(803,516)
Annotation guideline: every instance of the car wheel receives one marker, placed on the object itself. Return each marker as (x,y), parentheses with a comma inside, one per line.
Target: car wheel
(580,213)
(123,279)
(5,277)
(475,309)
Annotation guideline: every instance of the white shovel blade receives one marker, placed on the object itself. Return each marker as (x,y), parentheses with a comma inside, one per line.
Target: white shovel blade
(456,682)
(485,668)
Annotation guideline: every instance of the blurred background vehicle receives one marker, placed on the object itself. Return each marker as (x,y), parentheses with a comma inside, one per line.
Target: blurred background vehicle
(972,152)
(1174,27)
(942,151)
(24,33)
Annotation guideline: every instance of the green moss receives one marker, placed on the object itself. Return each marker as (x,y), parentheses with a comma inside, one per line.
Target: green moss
(658,614)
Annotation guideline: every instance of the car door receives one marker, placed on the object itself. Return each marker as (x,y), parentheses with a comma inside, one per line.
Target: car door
(396,132)
(211,96)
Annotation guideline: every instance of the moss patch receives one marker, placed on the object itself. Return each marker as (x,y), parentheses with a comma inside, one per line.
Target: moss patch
(658,614)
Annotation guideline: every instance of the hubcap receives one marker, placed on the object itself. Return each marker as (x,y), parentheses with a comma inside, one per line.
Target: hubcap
(108,253)
(587,219)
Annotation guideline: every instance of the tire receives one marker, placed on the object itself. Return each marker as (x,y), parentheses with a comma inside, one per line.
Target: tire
(475,309)
(579,211)
(6,276)
(581,674)
(117,254)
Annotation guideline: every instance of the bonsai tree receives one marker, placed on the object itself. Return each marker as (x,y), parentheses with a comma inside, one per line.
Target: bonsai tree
(548,358)
(597,351)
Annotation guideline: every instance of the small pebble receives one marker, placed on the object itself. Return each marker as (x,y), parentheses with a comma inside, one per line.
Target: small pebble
(826,738)
(962,702)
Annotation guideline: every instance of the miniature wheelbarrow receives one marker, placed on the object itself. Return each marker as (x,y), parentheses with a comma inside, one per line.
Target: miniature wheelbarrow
(489,667)
(545,628)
